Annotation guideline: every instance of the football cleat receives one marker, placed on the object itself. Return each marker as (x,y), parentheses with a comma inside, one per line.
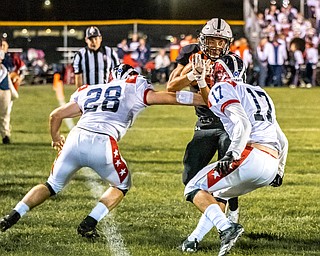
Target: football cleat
(190,246)
(9,220)
(87,228)
(229,237)
(6,140)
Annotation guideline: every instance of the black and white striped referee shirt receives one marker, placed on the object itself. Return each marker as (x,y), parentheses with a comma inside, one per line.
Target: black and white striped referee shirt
(95,65)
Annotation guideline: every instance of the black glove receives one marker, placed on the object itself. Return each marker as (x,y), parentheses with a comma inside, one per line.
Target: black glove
(223,164)
(277,181)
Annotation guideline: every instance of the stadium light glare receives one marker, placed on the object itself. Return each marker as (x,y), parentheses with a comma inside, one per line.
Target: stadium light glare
(47,3)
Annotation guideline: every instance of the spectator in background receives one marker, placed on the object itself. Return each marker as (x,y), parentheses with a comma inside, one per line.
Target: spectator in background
(14,65)
(144,54)
(241,48)
(5,99)
(16,68)
(162,65)
(312,57)
(133,46)
(7,61)
(263,62)
(298,64)
(122,49)
(92,64)
(272,12)
(277,55)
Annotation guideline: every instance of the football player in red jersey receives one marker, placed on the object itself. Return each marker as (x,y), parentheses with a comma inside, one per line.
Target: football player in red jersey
(209,135)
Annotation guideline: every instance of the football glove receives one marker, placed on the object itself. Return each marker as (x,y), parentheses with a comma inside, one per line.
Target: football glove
(200,68)
(277,181)
(224,163)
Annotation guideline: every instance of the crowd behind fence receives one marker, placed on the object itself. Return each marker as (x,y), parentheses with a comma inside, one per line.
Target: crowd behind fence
(56,42)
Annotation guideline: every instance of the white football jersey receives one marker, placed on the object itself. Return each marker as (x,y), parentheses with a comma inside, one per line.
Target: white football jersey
(111,108)
(257,105)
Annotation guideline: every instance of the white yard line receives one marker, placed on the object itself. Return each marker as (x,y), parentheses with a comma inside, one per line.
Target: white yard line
(110,227)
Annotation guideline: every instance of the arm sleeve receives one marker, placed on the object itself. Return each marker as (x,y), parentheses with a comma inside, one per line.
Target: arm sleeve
(77,63)
(283,152)
(142,88)
(115,58)
(241,131)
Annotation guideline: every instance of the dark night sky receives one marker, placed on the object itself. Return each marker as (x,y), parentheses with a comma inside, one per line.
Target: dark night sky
(80,10)
(68,10)
(33,10)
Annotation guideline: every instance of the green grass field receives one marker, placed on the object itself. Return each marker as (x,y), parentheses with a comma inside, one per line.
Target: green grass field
(154,218)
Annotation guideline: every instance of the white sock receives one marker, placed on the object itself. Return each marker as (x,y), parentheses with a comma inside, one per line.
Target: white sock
(99,211)
(21,208)
(218,218)
(203,227)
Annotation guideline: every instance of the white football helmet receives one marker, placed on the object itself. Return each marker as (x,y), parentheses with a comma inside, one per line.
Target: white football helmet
(215,38)
(229,67)
(123,71)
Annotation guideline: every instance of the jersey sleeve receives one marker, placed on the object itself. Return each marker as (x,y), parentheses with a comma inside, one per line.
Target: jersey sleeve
(221,95)
(241,128)
(143,86)
(75,95)
(77,63)
(224,101)
(283,152)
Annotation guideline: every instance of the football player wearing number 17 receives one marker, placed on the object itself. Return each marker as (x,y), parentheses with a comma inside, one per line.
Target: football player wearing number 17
(107,111)
(257,154)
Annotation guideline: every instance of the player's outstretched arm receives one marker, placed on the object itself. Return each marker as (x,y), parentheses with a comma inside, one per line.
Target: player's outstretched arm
(69,110)
(174,98)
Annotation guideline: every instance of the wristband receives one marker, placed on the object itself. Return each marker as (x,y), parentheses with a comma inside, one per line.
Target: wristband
(202,83)
(184,97)
(190,76)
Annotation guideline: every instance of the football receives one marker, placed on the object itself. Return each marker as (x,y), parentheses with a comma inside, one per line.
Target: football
(187,68)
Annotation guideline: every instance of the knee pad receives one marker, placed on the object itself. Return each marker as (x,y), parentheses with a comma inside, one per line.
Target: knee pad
(190,196)
(52,192)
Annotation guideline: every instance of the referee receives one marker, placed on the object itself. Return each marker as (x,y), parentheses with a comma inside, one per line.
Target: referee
(93,63)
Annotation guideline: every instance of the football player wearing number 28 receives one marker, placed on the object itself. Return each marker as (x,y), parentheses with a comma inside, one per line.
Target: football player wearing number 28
(107,111)
(258,150)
